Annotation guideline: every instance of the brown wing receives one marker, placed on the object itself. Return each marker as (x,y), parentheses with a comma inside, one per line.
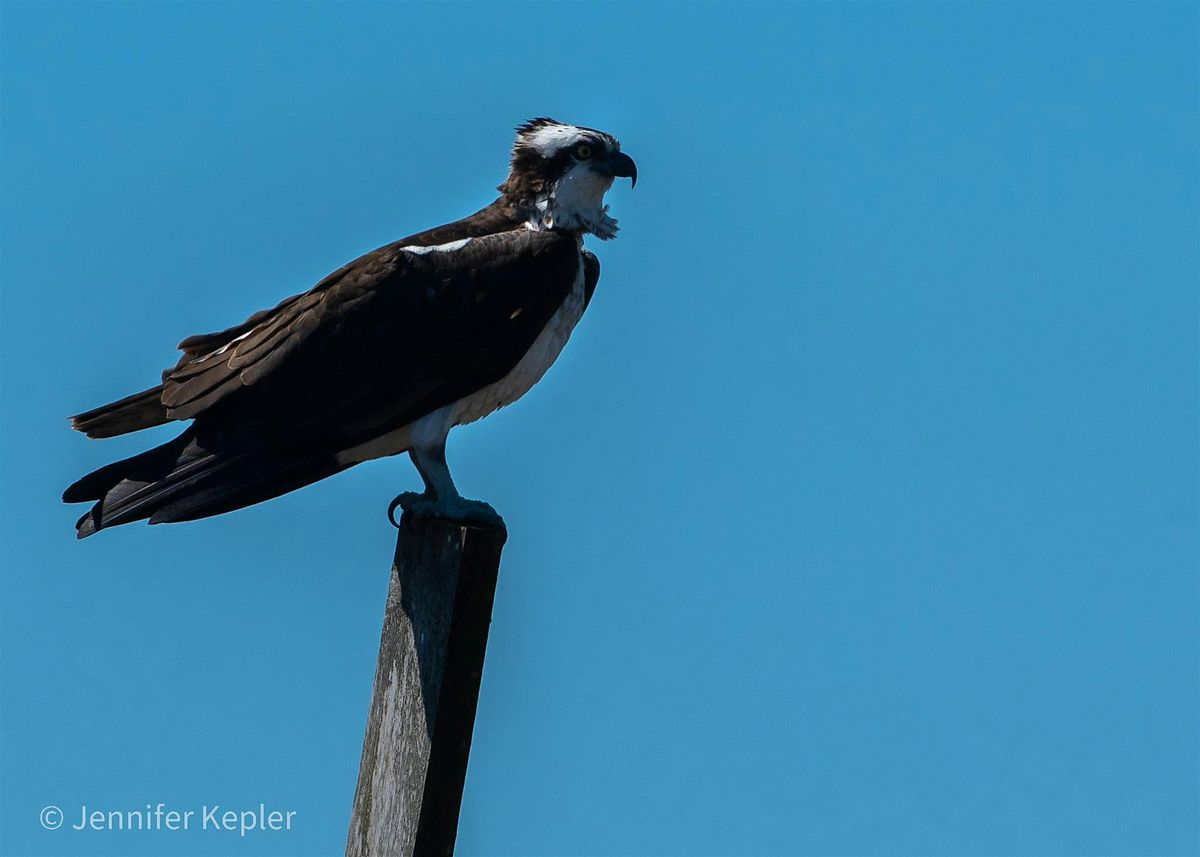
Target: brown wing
(391,338)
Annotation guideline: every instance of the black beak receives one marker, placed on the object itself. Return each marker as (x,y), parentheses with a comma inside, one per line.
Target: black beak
(622,166)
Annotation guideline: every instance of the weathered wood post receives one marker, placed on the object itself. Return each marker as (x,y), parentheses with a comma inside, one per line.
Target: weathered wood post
(435,628)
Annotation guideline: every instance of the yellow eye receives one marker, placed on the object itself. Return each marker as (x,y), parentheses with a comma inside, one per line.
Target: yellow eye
(583,151)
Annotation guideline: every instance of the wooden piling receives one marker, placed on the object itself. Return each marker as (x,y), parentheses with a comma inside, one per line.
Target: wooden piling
(418,738)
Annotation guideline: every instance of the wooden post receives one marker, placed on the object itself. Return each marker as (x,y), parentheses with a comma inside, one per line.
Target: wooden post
(435,629)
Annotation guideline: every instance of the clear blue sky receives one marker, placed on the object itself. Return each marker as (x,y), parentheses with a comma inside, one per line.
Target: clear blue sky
(859,516)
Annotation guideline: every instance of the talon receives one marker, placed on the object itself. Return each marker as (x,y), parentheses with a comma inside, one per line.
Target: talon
(403,501)
(392,506)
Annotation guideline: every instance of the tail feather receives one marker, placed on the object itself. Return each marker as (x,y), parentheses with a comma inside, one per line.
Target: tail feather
(139,411)
(146,467)
(182,481)
(252,484)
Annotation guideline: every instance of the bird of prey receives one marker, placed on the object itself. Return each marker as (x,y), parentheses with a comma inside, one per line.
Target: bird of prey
(385,355)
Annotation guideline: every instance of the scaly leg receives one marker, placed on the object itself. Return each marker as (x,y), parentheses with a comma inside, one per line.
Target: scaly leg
(441,499)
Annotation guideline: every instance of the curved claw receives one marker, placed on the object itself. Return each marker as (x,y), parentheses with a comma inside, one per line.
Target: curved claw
(402,501)
(392,507)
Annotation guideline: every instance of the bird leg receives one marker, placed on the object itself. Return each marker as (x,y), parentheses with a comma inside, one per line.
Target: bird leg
(441,499)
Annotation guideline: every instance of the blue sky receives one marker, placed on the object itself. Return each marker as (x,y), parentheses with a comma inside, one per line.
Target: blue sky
(859,516)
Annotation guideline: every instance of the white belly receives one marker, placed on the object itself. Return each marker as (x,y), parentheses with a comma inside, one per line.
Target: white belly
(432,428)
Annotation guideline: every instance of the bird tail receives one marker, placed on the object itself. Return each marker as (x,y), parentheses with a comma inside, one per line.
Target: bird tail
(139,411)
(182,481)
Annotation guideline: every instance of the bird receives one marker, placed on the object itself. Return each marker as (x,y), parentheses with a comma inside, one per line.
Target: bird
(383,356)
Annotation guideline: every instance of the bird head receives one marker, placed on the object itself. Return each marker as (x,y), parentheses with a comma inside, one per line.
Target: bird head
(560,173)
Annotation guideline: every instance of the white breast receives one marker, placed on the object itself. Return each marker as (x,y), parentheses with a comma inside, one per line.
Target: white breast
(433,427)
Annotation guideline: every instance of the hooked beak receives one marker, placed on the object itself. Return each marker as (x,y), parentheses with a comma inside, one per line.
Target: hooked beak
(620,165)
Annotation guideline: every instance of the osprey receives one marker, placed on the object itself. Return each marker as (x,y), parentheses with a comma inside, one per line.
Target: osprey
(385,355)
